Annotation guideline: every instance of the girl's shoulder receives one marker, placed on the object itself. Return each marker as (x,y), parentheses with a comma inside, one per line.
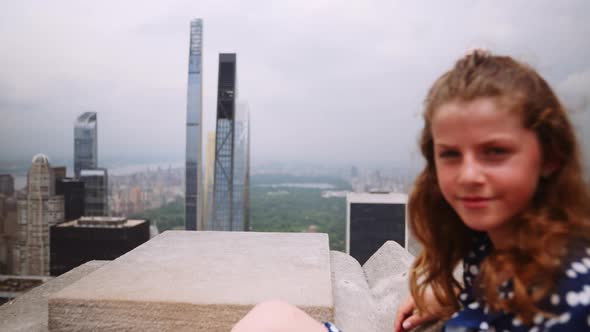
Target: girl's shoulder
(568,302)
(573,285)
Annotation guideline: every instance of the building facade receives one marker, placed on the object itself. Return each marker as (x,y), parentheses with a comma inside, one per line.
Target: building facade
(6,184)
(194,107)
(85,142)
(96,184)
(37,210)
(8,233)
(241,169)
(76,242)
(228,196)
(209,180)
(74,197)
(371,220)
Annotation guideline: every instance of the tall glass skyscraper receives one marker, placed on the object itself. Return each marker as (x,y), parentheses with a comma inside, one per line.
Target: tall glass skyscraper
(85,142)
(241,169)
(194,106)
(232,149)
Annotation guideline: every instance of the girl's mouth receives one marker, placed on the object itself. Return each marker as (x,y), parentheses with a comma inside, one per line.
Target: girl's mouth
(475,202)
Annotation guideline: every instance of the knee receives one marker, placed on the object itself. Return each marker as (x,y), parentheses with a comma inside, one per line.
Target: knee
(267,316)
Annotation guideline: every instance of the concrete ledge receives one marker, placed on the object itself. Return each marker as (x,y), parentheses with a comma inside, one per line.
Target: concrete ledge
(198,281)
(28,312)
(364,298)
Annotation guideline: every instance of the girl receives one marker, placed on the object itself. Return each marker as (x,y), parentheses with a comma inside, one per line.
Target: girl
(503,193)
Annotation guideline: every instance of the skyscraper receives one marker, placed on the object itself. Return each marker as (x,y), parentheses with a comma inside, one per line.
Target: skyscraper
(74,197)
(37,210)
(209,180)
(194,106)
(96,200)
(232,147)
(371,220)
(85,143)
(241,168)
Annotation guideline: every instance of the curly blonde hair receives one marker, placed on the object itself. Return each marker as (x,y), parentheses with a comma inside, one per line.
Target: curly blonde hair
(559,211)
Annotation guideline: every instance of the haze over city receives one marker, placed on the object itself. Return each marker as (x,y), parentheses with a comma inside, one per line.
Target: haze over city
(326,81)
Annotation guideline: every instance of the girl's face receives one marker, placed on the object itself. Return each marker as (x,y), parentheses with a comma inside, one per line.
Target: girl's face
(488,166)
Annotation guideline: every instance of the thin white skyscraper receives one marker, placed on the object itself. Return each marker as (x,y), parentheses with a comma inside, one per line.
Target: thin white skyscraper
(194,116)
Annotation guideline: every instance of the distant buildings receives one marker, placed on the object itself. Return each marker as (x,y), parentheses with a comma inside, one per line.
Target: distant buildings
(94,238)
(59,172)
(85,143)
(96,191)
(231,184)
(6,184)
(37,210)
(135,193)
(12,286)
(194,106)
(371,220)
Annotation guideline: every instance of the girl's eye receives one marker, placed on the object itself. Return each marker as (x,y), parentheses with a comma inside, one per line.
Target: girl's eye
(495,151)
(446,154)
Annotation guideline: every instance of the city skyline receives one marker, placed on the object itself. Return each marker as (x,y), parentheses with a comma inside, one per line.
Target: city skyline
(352,76)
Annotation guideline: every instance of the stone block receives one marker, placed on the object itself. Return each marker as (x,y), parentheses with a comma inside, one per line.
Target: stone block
(28,312)
(366,298)
(198,281)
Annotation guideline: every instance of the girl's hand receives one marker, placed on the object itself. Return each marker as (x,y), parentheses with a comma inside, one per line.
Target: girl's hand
(408,318)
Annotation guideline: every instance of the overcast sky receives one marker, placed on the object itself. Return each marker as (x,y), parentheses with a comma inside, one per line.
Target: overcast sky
(327,81)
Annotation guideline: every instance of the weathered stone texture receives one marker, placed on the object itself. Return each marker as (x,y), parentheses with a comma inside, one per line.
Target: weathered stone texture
(28,312)
(198,281)
(367,297)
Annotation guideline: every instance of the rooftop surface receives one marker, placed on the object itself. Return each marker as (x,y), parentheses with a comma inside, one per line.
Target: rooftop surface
(106,222)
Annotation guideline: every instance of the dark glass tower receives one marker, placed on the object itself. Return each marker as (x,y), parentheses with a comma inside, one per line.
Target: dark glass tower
(224,147)
(74,196)
(194,106)
(96,196)
(85,143)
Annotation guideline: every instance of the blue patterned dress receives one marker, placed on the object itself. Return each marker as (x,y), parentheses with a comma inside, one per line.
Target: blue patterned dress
(569,302)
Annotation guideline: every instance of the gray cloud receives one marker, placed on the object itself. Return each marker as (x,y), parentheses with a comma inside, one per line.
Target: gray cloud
(331,81)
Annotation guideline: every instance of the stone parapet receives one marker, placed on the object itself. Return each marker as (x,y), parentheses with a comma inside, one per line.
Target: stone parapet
(207,281)
(198,281)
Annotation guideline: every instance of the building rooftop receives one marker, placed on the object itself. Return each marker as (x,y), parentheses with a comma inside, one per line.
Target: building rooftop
(87,119)
(102,222)
(40,159)
(377,197)
(12,286)
(93,172)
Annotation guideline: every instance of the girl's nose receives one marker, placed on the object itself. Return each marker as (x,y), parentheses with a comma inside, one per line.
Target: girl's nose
(470,172)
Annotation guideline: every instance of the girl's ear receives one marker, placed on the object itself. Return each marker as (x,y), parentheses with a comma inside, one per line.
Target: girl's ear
(549,168)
